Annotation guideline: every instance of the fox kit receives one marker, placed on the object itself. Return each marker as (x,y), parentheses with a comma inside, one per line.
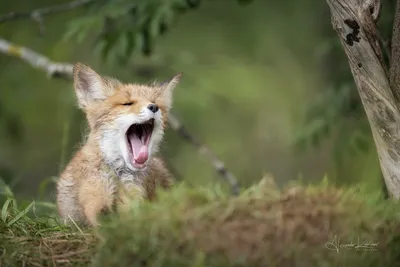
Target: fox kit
(117,162)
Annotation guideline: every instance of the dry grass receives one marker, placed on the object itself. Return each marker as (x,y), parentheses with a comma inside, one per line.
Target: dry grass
(56,249)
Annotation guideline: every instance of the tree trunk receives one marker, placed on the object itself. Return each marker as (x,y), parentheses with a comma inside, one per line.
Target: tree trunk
(355,23)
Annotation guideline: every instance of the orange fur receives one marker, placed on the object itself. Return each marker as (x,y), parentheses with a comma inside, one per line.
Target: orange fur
(99,175)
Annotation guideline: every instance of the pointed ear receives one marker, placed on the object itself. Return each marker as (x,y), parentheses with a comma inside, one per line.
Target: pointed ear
(168,88)
(89,86)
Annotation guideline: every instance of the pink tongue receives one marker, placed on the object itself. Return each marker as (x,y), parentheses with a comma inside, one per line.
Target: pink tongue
(139,149)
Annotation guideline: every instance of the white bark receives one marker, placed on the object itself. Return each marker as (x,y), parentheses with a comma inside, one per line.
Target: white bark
(36,60)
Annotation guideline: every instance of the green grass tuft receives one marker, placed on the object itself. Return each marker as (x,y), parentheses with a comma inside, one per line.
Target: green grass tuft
(31,235)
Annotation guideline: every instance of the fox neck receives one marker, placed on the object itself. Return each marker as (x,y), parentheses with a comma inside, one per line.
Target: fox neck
(93,150)
(110,157)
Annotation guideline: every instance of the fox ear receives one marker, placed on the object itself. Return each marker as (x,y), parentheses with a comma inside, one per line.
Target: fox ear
(89,86)
(168,87)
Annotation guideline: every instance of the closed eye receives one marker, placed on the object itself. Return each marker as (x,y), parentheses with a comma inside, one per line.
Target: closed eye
(128,103)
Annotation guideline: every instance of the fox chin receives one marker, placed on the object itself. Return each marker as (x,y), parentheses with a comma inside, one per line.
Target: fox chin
(118,161)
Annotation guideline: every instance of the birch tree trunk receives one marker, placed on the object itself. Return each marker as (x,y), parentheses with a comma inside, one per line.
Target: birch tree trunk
(355,23)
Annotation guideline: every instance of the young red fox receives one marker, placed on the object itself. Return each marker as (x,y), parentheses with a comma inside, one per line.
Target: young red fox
(117,162)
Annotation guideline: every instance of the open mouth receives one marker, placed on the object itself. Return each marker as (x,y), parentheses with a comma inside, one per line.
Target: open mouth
(138,137)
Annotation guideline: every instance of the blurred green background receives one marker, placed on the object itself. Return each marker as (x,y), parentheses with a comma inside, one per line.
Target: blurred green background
(266,86)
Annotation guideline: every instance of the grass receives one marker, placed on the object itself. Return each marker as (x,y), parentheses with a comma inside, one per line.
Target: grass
(31,235)
(298,226)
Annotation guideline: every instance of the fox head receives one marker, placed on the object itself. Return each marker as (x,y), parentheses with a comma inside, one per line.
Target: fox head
(126,121)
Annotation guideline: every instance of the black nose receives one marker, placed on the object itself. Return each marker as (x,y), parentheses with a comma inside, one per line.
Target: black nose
(153,107)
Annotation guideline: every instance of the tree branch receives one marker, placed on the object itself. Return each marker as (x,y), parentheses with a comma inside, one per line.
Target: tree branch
(218,165)
(41,12)
(37,61)
(354,21)
(64,70)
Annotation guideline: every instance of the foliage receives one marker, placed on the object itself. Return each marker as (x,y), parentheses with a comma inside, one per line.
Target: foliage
(262,226)
(29,239)
(124,26)
(206,227)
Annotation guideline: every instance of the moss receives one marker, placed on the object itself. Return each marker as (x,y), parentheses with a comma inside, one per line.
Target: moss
(299,226)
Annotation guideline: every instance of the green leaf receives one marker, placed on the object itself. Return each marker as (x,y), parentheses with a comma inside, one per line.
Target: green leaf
(4,210)
(130,44)
(194,3)
(21,214)
(147,47)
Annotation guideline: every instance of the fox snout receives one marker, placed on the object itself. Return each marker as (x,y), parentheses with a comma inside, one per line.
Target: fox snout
(153,108)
